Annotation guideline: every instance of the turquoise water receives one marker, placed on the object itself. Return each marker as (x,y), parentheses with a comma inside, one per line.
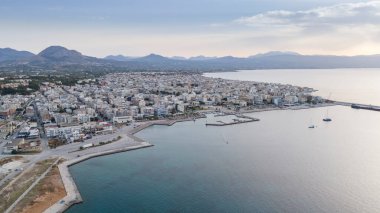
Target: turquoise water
(275,165)
(350,85)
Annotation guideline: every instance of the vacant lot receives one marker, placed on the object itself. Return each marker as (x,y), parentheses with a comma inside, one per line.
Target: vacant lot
(6,160)
(18,186)
(44,194)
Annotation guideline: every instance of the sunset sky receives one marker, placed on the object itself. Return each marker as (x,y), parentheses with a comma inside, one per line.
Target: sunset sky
(189,28)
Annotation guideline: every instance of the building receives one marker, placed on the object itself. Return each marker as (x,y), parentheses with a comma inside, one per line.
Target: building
(122,119)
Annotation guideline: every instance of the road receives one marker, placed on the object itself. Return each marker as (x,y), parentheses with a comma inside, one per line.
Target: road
(72,151)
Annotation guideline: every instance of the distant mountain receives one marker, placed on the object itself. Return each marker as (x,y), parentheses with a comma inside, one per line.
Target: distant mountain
(153,58)
(8,54)
(62,54)
(201,58)
(274,53)
(178,58)
(119,58)
(60,58)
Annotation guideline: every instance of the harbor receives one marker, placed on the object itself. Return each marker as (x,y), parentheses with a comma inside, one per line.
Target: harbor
(241,119)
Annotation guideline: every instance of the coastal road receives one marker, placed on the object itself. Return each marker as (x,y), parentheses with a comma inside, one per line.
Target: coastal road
(71,151)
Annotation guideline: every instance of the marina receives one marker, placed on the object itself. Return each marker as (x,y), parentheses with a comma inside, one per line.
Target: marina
(241,119)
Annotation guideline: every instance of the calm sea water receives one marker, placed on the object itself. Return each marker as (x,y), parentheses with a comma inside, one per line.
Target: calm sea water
(350,85)
(275,165)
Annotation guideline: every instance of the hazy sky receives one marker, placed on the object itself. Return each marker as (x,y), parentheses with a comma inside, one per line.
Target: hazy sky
(192,27)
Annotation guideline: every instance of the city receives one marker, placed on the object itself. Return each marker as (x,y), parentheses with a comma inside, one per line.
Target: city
(98,115)
(198,106)
(76,113)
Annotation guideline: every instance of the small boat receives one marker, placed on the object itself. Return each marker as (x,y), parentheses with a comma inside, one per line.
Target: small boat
(327,118)
(311,127)
(224,138)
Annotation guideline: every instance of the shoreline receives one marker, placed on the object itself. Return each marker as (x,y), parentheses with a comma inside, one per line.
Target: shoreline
(73,195)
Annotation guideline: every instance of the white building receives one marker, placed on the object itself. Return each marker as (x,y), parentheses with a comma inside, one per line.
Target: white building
(122,119)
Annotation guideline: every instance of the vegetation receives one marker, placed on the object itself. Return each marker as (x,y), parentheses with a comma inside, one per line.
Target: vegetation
(21,90)
(102,143)
(54,143)
(35,81)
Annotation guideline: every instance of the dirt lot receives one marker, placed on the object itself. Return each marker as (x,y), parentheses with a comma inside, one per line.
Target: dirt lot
(23,181)
(47,192)
(6,160)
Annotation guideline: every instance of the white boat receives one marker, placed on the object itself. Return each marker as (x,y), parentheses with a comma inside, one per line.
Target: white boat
(327,118)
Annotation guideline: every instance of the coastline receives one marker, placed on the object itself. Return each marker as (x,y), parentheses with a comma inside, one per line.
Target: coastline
(73,195)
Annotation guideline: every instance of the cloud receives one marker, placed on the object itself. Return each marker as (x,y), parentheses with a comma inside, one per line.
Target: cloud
(340,14)
(344,29)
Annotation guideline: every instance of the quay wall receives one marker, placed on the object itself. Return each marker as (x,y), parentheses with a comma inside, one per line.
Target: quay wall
(72,193)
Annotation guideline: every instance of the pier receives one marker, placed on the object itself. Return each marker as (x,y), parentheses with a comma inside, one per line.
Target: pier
(366,107)
(235,121)
(360,106)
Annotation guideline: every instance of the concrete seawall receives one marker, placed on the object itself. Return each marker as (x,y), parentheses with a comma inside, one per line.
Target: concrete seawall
(159,122)
(72,193)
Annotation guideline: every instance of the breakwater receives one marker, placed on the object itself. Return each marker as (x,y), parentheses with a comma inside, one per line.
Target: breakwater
(72,193)
(366,107)
(358,106)
(248,119)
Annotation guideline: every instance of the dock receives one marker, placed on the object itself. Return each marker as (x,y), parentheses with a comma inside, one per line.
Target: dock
(360,106)
(235,121)
(366,107)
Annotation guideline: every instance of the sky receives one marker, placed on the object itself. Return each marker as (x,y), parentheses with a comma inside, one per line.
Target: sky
(192,27)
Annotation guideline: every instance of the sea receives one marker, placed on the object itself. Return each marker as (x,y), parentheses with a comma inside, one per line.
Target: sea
(347,85)
(275,165)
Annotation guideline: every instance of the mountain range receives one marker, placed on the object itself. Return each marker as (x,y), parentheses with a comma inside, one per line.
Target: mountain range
(60,58)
